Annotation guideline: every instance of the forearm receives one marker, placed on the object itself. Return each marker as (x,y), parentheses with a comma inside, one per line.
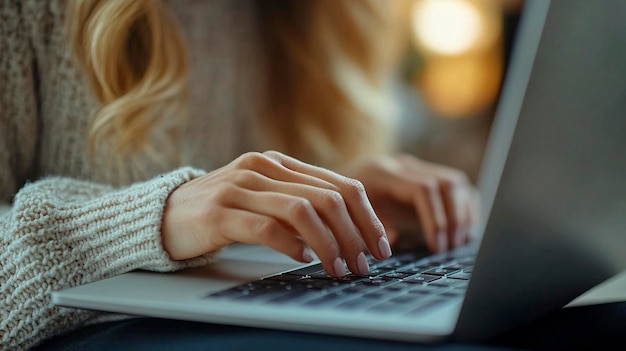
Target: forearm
(62,232)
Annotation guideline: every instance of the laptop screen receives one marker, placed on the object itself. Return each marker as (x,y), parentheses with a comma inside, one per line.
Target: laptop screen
(553,178)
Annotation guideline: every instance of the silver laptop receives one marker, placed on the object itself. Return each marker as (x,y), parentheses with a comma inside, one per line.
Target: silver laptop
(553,187)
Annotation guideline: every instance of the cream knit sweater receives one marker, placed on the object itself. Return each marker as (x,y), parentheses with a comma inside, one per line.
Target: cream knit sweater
(65,220)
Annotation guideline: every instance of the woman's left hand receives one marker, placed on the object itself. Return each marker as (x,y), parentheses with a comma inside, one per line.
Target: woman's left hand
(404,187)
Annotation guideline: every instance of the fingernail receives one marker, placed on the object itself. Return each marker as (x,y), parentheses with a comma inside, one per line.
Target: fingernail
(362,264)
(339,267)
(384,248)
(307,255)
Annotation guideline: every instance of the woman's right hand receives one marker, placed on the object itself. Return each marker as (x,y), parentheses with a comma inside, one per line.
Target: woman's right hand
(277,201)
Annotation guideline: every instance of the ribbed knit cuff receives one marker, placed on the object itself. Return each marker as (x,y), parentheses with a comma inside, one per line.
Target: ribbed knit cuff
(104,231)
(62,232)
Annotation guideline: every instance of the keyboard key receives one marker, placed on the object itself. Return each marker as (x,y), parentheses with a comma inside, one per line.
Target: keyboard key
(321,275)
(399,286)
(409,298)
(357,303)
(326,300)
(397,275)
(316,284)
(357,289)
(421,279)
(353,278)
(460,275)
(441,271)
(414,269)
(390,265)
(378,271)
(388,307)
(296,296)
(264,294)
(410,257)
(425,306)
(445,282)
(377,294)
(426,289)
(452,293)
(379,281)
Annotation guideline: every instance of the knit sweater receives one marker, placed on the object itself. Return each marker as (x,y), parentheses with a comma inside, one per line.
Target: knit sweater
(67,219)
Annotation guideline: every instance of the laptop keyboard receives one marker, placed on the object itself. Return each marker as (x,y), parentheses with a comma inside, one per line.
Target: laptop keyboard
(405,283)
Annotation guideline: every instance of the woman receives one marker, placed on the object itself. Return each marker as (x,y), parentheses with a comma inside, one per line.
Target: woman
(126,130)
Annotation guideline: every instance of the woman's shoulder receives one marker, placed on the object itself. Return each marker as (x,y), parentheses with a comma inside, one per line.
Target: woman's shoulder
(31,11)
(38,20)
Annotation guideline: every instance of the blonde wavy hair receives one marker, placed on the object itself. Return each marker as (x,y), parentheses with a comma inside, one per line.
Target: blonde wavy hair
(328,63)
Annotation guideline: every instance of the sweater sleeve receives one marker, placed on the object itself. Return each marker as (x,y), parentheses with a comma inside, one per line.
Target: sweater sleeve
(63,232)
(59,232)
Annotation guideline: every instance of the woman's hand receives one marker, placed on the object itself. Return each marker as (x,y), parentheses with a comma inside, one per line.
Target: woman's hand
(275,200)
(404,188)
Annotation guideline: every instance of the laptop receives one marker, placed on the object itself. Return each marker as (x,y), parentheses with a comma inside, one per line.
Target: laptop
(553,186)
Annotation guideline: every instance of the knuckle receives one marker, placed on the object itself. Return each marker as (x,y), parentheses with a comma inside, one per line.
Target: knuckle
(300,209)
(273,154)
(251,160)
(354,188)
(244,176)
(224,193)
(266,229)
(332,200)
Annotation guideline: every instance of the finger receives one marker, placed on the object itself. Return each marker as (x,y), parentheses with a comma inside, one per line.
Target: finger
(256,169)
(299,214)
(464,217)
(425,195)
(355,197)
(473,211)
(255,163)
(454,202)
(330,206)
(465,224)
(453,185)
(430,211)
(439,171)
(253,228)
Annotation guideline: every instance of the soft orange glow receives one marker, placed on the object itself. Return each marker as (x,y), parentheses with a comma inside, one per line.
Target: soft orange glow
(458,88)
(460,42)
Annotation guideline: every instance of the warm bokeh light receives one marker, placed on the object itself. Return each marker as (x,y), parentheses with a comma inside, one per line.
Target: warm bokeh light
(460,43)
(448,27)
(458,88)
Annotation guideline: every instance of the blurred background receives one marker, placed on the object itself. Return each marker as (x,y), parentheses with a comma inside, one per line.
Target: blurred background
(457,56)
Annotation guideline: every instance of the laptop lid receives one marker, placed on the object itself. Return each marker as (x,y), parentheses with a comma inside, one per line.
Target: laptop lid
(553,179)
